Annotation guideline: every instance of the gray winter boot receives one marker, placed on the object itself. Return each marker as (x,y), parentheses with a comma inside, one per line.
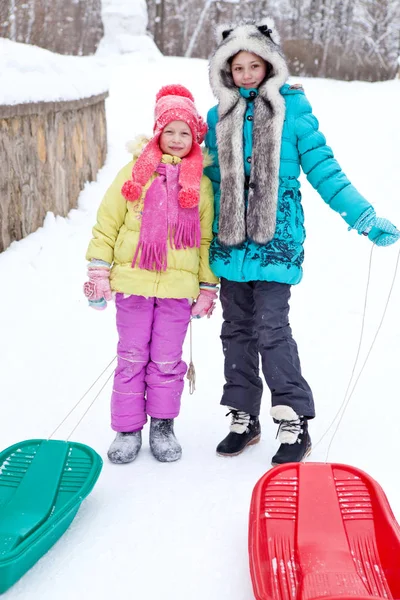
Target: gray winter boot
(163,443)
(125,447)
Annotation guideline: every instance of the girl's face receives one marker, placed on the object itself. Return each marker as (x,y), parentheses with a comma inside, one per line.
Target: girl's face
(176,139)
(248,69)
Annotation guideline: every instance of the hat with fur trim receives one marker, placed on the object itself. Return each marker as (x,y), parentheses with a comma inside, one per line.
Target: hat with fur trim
(260,38)
(173,103)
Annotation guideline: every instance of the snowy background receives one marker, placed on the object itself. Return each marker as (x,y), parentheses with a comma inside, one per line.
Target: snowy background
(32,74)
(179,531)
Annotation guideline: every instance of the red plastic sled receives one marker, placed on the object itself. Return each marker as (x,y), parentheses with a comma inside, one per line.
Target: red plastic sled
(322,530)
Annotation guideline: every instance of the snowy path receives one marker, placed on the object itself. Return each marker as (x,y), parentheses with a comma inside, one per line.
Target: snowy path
(179,531)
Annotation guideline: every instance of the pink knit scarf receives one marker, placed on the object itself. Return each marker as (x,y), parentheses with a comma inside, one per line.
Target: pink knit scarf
(165,220)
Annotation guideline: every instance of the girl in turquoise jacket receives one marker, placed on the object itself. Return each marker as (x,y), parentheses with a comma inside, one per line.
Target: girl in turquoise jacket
(260,134)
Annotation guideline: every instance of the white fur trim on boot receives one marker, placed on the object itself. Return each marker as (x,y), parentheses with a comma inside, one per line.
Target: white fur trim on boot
(289,423)
(240,421)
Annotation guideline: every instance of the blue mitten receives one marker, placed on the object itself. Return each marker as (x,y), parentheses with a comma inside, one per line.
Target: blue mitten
(380,231)
(383,233)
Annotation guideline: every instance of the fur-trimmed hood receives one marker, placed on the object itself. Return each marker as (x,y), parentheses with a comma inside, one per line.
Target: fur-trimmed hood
(259,37)
(256,222)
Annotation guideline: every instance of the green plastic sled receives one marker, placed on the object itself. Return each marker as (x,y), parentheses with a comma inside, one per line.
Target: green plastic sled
(42,485)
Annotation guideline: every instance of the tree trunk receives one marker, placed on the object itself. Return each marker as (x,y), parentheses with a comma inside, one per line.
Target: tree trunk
(63,26)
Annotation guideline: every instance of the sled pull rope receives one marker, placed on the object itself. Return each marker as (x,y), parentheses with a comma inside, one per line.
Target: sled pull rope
(191,373)
(81,398)
(91,404)
(346,399)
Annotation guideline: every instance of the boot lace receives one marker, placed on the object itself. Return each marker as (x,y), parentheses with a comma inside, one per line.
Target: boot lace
(240,420)
(294,427)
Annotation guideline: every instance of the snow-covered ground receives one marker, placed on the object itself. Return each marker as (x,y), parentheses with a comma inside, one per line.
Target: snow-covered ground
(179,531)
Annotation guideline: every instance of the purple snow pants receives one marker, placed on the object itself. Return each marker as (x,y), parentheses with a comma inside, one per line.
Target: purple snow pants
(149,375)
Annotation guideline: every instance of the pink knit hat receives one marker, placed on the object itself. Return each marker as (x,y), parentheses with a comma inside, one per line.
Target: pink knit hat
(173,103)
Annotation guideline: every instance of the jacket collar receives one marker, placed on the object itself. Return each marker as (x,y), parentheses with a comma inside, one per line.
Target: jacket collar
(248,93)
(169,159)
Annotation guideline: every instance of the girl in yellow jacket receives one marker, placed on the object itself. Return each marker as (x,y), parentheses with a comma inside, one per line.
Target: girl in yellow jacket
(150,245)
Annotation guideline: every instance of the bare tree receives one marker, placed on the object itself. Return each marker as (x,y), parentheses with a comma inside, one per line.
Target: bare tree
(159,24)
(64,26)
(199,25)
(381,23)
(346,39)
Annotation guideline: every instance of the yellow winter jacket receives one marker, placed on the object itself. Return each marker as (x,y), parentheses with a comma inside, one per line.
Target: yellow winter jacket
(116,235)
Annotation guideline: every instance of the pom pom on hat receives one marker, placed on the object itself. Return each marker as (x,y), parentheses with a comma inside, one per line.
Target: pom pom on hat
(188,198)
(174,90)
(131,190)
(190,176)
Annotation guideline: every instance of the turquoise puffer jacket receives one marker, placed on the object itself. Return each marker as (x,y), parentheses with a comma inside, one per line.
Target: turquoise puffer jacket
(303,145)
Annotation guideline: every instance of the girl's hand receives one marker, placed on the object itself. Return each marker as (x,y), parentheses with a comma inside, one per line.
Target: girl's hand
(205,302)
(383,233)
(97,290)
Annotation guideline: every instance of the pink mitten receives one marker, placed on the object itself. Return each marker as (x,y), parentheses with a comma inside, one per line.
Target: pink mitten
(97,290)
(205,302)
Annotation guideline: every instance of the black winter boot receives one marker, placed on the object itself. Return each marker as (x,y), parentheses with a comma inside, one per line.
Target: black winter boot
(125,447)
(163,443)
(244,431)
(293,435)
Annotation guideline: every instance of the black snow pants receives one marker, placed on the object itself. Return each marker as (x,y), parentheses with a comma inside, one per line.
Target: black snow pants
(256,322)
